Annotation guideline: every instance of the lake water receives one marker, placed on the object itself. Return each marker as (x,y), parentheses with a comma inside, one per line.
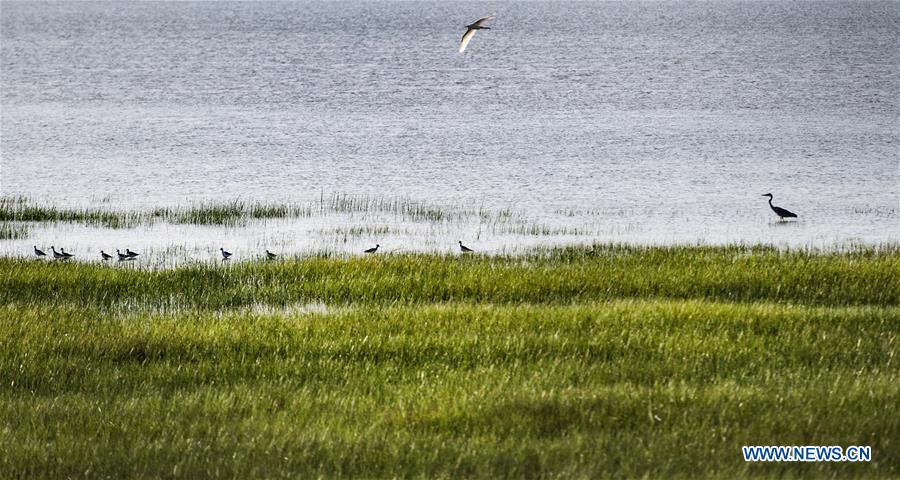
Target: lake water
(644,122)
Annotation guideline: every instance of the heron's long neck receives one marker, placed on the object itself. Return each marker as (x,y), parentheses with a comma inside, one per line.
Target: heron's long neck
(770,201)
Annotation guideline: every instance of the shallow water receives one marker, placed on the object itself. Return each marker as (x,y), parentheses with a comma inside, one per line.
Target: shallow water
(645,122)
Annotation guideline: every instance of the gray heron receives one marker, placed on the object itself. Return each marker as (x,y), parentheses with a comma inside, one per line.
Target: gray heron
(781,212)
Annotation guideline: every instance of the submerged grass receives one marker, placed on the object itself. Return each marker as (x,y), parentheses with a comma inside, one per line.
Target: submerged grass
(231,213)
(400,206)
(599,362)
(20,209)
(360,230)
(13,231)
(536,229)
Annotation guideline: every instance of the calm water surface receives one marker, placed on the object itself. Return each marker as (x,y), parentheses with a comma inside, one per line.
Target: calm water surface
(646,122)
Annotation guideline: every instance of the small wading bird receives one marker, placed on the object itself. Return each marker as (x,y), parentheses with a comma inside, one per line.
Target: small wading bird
(39,253)
(270,255)
(130,253)
(464,248)
(55,253)
(781,212)
(122,256)
(470,31)
(373,249)
(225,255)
(105,256)
(65,256)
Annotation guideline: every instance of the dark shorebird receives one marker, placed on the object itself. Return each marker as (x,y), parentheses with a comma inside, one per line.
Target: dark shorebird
(225,255)
(373,249)
(130,253)
(781,212)
(471,29)
(270,255)
(39,253)
(61,254)
(464,248)
(122,256)
(105,256)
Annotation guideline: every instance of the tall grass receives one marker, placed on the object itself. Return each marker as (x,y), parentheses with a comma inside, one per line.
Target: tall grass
(566,275)
(626,389)
(585,362)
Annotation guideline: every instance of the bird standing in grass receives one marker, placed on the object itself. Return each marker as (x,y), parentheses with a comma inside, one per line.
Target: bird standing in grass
(105,256)
(471,29)
(64,254)
(56,254)
(464,248)
(122,256)
(131,254)
(373,249)
(270,255)
(781,212)
(39,253)
(225,255)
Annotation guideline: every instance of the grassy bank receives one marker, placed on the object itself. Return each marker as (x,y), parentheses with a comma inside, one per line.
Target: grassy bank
(616,362)
(556,276)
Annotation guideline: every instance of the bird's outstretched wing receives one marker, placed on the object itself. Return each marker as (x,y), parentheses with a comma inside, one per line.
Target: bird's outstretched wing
(465,39)
(470,31)
(481,21)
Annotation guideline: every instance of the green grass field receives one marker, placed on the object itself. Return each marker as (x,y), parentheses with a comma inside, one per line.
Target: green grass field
(609,361)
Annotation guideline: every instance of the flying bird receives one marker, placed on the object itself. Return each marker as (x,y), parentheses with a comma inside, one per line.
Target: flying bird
(39,253)
(373,249)
(225,255)
(470,31)
(781,212)
(464,248)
